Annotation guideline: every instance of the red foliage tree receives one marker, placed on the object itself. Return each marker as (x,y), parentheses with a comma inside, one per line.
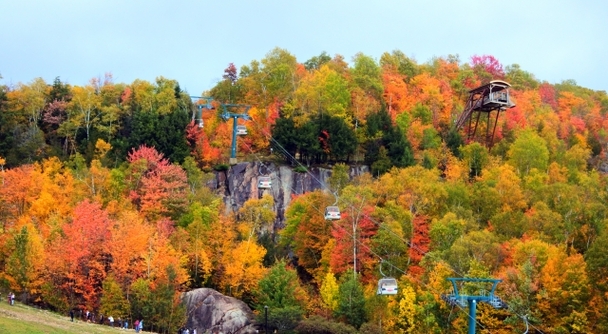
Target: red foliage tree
(77,261)
(547,95)
(357,229)
(273,114)
(230,73)
(515,119)
(578,124)
(126,96)
(419,244)
(158,188)
(55,112)
(324,140)
(489,64)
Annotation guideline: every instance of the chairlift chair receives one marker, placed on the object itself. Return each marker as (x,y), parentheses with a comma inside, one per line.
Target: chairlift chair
(264,182)
(387,286)
(497,302)
(241,130)
(332,213)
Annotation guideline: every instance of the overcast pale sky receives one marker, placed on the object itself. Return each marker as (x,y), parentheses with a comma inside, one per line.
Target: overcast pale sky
(194,41)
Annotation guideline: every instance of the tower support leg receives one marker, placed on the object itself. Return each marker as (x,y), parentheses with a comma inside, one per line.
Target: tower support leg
(472,315)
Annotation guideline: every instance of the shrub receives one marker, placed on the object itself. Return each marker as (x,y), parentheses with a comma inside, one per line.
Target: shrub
(320,325)
(221,167)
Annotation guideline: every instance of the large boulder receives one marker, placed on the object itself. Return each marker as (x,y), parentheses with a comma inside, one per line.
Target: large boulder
(211,312)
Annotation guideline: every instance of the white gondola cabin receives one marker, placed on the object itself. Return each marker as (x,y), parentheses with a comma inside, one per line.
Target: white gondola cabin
(241,130)
(332,213)
(264,182)
(387,286)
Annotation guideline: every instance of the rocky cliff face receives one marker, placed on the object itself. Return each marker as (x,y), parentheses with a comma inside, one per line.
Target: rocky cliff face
(240,183)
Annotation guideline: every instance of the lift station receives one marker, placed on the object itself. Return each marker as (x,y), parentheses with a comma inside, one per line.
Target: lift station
(493,96)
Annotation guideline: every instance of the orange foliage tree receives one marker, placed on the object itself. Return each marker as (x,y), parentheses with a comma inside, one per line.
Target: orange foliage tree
(395,93)
(570,106)
(307,232)
(200,146)
(128,247)
(19,188)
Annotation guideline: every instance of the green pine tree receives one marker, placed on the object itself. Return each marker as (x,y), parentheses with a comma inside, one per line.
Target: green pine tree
(351,301)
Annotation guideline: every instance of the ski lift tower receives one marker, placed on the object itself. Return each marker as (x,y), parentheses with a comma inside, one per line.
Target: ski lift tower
(201,102)
(458,299)
(493,96)
(236,129)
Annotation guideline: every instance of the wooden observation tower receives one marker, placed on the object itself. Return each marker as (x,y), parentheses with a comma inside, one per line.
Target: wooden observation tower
(493,96)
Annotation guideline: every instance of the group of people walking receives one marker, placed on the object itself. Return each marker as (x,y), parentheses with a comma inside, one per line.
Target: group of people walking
(138,325)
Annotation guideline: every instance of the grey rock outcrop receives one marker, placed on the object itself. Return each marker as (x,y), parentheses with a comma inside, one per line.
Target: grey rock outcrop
(211,312)
(239,184)
(603,167)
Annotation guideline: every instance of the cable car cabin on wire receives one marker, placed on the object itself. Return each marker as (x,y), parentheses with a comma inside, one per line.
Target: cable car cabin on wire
(241,130)
(387,286)
(264,182)
(332,213)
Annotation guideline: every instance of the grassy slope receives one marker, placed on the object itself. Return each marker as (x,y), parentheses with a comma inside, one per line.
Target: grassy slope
(20,319)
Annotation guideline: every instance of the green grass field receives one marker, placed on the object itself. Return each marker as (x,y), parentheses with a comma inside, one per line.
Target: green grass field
(21,319)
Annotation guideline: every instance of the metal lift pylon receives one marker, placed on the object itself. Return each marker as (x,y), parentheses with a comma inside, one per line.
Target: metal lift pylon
(226,115)
(458,299)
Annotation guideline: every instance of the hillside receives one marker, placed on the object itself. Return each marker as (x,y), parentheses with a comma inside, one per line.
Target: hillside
(20,319)
(118,197)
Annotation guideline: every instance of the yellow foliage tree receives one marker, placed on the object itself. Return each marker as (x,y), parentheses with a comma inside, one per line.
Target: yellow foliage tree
(329,292)
(564,292)
(243,269)
(257,216)
(406,312)
(57,195)
(325,91)
(25,260)
(199,261)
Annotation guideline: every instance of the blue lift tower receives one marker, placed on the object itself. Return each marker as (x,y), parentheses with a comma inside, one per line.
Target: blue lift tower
(239,130)
(201,102)
(456,298)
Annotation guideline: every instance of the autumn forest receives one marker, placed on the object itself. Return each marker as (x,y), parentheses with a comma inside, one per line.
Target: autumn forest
(106,203)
